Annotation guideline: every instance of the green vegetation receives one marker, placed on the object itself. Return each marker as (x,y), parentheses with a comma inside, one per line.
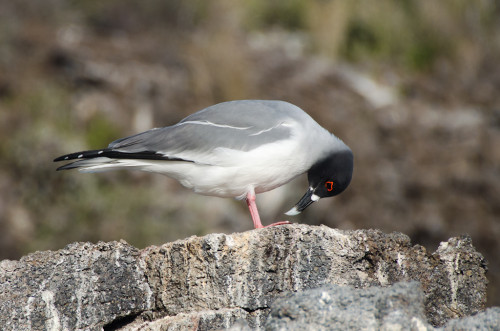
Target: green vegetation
(287,14)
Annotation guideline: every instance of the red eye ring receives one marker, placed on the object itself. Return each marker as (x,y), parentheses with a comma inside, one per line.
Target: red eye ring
(329,185)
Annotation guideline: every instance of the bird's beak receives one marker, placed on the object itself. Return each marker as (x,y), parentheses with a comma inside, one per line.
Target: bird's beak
(304,202)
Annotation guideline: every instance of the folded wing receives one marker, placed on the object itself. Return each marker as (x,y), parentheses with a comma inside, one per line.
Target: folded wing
(199,137)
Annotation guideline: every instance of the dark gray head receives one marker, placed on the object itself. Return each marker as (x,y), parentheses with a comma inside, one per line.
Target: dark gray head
(328,177)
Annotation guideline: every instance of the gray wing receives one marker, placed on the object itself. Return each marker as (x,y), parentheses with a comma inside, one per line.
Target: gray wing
(238,125)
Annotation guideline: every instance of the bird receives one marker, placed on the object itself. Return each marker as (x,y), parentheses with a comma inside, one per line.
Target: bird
(234,149)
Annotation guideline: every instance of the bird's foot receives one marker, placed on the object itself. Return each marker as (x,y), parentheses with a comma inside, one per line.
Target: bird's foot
(278,223)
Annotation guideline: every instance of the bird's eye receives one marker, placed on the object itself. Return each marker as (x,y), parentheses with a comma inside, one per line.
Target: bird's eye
(329,186)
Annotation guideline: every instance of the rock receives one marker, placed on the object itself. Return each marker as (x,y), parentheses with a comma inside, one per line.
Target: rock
(213,281)
(458,260)
(333,307)
(83,286)
(202,320)
(486,320)
(248,270)
(397,307)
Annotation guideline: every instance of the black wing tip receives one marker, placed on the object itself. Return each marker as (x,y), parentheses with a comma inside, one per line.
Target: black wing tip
(61,158)
(81,155)
(112,154)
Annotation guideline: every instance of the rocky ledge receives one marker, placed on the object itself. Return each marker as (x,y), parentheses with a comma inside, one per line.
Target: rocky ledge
(274,279)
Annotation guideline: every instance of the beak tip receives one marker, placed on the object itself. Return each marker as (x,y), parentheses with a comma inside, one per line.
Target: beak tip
(292,212)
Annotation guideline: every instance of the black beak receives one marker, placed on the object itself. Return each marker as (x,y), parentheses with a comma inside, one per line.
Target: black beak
(304,202)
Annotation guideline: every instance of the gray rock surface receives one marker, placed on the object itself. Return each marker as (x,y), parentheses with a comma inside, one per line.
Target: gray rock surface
(248,270)
(211,282)
(488,320)
(83,286)
(396,307)
(333,307)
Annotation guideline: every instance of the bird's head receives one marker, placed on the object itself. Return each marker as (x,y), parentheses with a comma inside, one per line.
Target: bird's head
(328,177)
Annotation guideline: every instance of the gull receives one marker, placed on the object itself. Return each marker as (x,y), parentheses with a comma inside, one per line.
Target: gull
(234,149)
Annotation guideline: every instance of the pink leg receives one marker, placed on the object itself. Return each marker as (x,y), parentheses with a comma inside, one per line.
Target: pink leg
(255,213)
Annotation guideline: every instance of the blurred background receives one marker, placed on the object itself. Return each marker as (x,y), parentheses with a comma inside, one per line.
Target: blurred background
(411,86)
